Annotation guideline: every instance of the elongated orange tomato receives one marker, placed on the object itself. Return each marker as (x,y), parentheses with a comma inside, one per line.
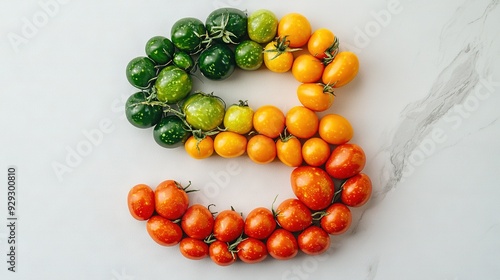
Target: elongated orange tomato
(315,96)
(323,44)
(228,144)
(342,70)
(289,152)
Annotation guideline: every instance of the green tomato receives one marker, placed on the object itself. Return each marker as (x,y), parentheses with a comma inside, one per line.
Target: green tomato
(239,118)
(139,114)
(262,26)
(184,61)
(160,50)
(173,84)
(217,62)
(228,25)
(204,111)
(140,72)
(170,132)
(187,34)
(248,55)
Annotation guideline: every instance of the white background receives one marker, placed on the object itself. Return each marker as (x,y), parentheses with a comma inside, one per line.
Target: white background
(424,107)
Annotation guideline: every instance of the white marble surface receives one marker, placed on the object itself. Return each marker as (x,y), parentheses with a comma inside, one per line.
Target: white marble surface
(424,108)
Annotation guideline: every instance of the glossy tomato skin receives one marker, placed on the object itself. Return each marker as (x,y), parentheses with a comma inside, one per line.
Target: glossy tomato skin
(261,149)
(337,220)
(357,190)
(313,240)
(140,72)
(315,151)
(262,26)
(199,149)
(173,84)
(345,161)
(229,144)
(296,27)
(248,55)
(204,111)
(170,132)
(220,254)
(239,118)
(322,43)
(252,250)
(335,129)
(228,226)
(282,245)
(315,96)
(269,120)
(193,249)
(187,34)
(163,231)
(307,69)
(289,151)
(160,50)
(259,223)
(217,62)
(293,215)
(276,60)
(197,222)
(184,61)
(141,202)
(142,115)
(227,25)
(342,70)
(301,122)
(171,201)
(312,186)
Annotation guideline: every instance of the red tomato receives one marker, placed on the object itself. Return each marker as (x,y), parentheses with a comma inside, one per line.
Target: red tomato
(260,223)
(197,222)
(228,226)
(220,254)
(141,202)
(337,220)
(345,161)
(252,250)
(313,186)
(164,231)
(357,190)
(282,245)
(293,215)
(313,240)
(193,249)
(171,201)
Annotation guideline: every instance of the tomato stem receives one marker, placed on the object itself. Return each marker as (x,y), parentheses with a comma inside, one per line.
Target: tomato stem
(331,52)
(281,45)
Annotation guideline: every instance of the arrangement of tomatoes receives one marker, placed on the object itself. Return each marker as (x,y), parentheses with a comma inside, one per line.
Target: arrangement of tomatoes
(317,148)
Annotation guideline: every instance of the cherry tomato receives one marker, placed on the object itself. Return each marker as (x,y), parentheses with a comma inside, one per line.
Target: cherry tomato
(228,226)
(141,202)
(163,231)
(323,44)
(312,186)
(342,70)
(261,149)
(315,151)
(199,149)
(259,223)
(262,26)
(220,254)
(296,28)
(269,120)
(301,122)
(282,245)
(337,220)
(278,56)
(239,118)
(317,97)
(288,150)
(171,200)
(197,222)
(307,68)
(293,215)
(193,249)
(252,250)
(335,129)
(313,240)
(229,144)
(357,190)
(345,161)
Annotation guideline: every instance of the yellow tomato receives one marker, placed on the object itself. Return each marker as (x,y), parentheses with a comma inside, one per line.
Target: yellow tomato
(342,70)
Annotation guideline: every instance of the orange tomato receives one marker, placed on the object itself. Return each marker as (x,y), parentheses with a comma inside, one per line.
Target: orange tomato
(278,56)
(296,28)
(288,150)
(335,129)
(316,97)
(228,144)
(342,70)
(307,68)
(199,149)
(315,151)
(301,122)
(323,44)
(269,120)
(261,149)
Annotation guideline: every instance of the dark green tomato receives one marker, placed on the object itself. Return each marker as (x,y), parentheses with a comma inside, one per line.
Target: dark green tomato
(173,84)
(140,72)
(217,62)
(170,132)
(228,25)
(139,114)
(204,111)
(184,61)
(188,34)
(262,26)
(160,50)
(248,55)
